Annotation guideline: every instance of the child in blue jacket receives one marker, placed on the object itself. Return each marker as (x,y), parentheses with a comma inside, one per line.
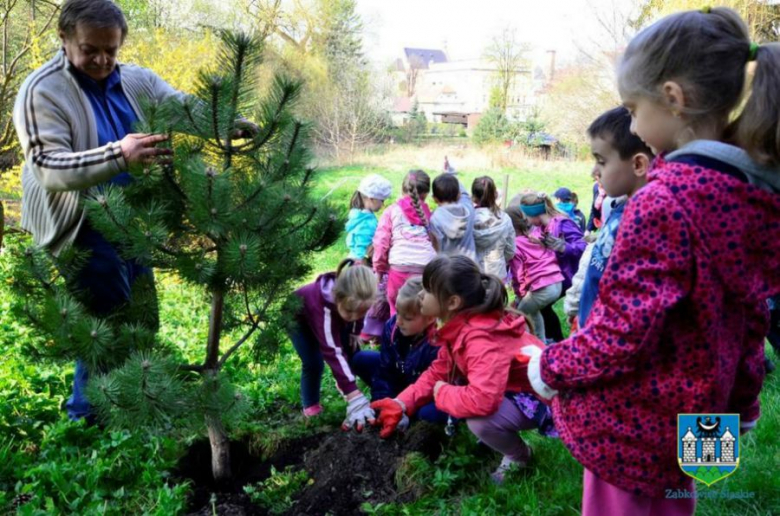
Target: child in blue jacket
(406,351)
(362,222)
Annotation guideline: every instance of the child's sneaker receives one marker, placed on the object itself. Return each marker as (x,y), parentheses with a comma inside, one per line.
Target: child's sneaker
(506,465)
(312,411)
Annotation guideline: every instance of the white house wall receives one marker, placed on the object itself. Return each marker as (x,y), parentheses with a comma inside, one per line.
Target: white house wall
(471,82)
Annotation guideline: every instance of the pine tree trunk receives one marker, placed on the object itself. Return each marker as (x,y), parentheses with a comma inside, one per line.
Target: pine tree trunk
(220,450)
(220,443)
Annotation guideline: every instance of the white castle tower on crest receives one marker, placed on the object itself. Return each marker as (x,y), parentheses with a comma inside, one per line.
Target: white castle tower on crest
(727,446)
(689,446)
(707,454)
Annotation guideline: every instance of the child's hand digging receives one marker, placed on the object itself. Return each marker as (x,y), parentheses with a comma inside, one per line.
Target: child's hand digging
(391,413)
(359,414)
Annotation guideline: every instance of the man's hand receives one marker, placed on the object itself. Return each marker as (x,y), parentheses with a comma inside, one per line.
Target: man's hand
(245,129)
(138,148)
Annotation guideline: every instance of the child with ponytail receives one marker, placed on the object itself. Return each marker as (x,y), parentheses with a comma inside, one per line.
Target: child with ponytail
(494,235)
(403,245)
(361,224)
(556,231)
(479,374)
(327,331)
(679,322)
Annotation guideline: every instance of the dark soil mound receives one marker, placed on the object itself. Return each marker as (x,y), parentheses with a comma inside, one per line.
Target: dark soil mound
(230,499)
(347,470)
(350,469)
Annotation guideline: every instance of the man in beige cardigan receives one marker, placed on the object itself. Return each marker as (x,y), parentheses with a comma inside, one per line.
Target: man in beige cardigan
(74,117)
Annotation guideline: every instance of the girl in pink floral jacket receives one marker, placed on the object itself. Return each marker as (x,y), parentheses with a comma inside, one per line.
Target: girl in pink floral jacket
(680,320)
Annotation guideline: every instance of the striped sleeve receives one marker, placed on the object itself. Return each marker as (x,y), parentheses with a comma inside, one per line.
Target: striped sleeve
(333,354)
(46,135)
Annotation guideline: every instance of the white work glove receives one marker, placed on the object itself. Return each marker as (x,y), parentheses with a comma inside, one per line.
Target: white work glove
(535,372)
(359,414)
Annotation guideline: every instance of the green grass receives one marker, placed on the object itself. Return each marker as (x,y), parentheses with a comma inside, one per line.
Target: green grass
(69,469)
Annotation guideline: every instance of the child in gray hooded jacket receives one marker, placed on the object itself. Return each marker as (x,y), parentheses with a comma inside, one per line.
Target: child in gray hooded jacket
(453,221)
(494,234)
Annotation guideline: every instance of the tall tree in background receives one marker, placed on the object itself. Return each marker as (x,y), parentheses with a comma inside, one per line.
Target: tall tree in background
(234,218)
(586,88)
(412,73)
(508,55)
(349,115)
(322,42)
(24,25)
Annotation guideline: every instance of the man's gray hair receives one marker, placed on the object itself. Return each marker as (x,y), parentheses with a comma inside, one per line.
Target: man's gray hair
(99,14)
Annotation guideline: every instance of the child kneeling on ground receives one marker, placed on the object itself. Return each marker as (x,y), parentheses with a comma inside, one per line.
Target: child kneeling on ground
(326,331)
(479,374)
(406,351)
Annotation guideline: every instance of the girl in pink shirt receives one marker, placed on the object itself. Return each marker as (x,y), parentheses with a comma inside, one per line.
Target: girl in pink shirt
(536,276)
(403,245)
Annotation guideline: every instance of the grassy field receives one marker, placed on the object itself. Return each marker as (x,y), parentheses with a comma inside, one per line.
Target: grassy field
(67,468)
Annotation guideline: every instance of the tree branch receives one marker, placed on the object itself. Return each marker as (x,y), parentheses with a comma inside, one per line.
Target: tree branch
(238,344)
(246,304)
(196,368)
(302,224)
(260,316)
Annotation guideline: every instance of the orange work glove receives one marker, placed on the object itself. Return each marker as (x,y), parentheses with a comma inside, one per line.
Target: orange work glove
(391,412)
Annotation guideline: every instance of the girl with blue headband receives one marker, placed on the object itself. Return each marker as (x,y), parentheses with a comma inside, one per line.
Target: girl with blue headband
(536,275)
(561,234)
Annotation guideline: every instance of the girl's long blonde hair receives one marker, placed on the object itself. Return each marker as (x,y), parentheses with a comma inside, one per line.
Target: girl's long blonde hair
(355,285)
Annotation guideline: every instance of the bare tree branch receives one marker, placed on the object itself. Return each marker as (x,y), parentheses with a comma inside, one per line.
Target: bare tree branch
(508,56)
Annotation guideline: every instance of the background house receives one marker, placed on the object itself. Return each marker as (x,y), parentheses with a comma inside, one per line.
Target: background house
(459,91)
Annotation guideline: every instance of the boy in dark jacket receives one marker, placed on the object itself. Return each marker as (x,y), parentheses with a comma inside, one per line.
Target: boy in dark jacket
(406,351)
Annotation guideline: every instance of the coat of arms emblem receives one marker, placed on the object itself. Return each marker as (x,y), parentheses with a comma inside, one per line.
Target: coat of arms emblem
(708,445)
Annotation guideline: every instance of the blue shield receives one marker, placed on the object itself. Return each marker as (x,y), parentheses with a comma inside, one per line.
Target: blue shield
(708,445)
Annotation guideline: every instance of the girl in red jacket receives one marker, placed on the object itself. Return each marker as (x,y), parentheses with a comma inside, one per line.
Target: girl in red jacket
(477,375)
(679,323)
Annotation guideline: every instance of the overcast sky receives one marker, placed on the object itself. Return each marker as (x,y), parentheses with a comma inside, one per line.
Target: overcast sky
(467,26)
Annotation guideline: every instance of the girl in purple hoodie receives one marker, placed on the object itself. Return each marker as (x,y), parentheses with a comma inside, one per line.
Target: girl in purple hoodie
(327,331)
